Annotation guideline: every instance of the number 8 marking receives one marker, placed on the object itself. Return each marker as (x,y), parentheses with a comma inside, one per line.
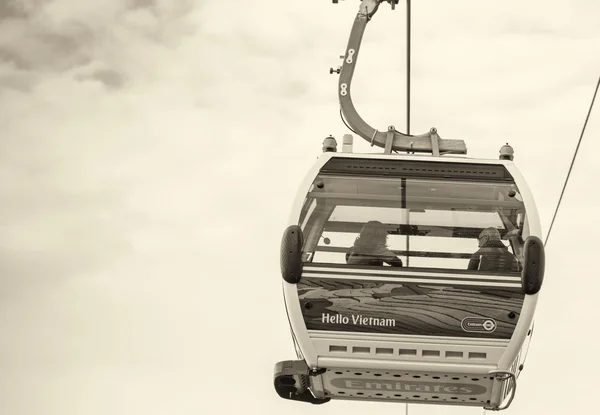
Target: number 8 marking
(350,54)
(344,90)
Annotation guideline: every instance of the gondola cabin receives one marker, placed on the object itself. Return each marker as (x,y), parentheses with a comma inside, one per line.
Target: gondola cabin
(410,278)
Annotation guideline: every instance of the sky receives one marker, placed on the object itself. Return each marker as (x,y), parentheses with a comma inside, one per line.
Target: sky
(150,152)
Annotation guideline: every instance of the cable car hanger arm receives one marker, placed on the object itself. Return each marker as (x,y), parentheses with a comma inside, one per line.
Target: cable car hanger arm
(391,139)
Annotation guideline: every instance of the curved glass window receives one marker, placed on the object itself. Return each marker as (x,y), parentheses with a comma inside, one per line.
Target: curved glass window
(429,223)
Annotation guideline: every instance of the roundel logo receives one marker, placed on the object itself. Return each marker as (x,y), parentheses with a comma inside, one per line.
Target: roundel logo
(489,325)
(478,324)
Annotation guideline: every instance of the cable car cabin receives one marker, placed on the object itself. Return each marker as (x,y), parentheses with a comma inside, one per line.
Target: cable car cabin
(391,293)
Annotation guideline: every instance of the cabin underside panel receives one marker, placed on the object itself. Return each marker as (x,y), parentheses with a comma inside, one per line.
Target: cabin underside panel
(410,306)
(414,387)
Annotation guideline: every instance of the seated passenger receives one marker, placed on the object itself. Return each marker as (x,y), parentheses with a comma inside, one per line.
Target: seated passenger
(493,255)
(370,248)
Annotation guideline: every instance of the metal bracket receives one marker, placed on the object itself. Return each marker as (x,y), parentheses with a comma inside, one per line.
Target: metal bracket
(291,381)
(503,375)
(401,142)
(368,8)
(317,372)
(435,144)
(389,140)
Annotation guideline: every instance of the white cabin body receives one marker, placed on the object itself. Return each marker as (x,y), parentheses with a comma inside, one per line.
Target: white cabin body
(432,330)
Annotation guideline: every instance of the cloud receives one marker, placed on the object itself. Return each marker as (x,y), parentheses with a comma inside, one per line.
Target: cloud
(107,41)
(16,8)
(77,131)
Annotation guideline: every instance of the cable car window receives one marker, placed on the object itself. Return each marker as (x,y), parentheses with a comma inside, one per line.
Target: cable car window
(429,223)
(307,210)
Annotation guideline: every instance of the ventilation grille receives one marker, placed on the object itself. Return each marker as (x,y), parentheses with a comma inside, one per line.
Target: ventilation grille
(402,352)
(408,386)
(414,168)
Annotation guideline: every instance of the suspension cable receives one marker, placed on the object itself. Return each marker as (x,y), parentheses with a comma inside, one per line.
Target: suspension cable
(565,186)
(407,114)
(407,66)
(572,162)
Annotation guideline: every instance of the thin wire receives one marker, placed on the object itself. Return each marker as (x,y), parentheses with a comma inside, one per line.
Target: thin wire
(408,66)
(407,112)
(572,162)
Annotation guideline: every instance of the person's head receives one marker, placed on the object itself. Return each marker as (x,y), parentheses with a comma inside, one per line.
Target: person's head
(374,233)
(487,235)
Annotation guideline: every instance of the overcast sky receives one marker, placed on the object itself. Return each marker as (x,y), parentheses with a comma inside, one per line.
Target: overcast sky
(150,151)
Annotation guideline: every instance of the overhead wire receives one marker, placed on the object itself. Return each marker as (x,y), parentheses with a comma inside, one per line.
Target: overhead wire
(407,66)
(407,114)
(572,163)
(563,189)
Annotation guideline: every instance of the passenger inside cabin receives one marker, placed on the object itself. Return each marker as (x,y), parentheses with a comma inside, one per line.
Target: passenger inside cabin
(493,255)
(370,248)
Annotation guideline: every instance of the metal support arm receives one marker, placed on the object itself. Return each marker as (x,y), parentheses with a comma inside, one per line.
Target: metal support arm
(423,143)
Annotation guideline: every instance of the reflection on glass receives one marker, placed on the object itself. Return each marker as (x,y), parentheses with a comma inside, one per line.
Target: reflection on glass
(420,223)
(370,247)
(492,254)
